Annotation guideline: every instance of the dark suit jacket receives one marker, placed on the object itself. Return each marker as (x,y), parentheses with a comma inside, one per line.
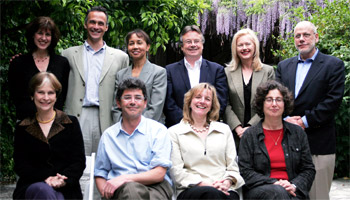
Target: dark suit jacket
(179,84)
(319,98)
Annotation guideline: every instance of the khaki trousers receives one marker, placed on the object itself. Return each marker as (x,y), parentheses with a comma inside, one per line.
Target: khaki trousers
(324,165)
(90,126)
(135,190)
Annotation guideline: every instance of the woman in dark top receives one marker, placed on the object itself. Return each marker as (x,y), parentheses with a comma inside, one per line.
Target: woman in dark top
(274,155)
(48,148)
(244,73)
(42,37)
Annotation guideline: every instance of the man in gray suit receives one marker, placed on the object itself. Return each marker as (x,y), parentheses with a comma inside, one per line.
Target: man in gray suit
(94,67)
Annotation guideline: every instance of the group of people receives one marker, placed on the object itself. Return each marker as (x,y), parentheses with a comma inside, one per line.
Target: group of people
(193,129)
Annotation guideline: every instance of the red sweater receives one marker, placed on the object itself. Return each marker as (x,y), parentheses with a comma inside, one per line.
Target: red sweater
(273,142)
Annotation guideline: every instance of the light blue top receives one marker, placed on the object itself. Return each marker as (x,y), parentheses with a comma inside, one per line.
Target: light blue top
(93,61)
(302,70)
(119,153)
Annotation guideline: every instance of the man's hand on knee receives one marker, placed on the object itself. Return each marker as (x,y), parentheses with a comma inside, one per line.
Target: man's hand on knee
(112,185)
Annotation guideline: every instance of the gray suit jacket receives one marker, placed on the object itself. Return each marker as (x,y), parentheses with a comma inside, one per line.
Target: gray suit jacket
(114,61)
(155,79)
(234,113)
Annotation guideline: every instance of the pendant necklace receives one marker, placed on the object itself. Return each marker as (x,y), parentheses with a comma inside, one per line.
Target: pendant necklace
(277,138)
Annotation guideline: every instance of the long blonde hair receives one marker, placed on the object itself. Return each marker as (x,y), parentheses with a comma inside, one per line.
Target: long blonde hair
(213,114)
(233,64)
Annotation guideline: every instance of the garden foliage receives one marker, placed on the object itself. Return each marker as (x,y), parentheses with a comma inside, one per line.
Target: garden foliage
(164,20)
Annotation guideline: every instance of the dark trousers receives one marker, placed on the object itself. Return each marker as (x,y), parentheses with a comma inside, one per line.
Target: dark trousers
(42,190)
(206,192)
(269,191)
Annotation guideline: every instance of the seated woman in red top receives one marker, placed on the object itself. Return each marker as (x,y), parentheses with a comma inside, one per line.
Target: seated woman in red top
(274,155)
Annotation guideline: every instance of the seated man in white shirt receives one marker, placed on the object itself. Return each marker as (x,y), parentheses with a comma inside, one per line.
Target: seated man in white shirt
(134,154)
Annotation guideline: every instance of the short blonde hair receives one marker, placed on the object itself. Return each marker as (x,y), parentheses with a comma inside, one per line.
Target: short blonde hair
(213,114)
(42,77)
(233,64)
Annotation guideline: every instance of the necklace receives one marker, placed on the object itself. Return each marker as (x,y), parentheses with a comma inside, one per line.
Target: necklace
(40,60)
(277,138)
(200,130)
(48,121)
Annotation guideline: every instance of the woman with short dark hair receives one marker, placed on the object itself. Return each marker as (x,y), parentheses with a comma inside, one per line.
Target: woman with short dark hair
(274,155)
(42,36)
(138,43)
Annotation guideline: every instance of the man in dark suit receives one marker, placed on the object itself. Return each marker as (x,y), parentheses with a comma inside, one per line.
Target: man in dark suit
(190,71)
(317,82)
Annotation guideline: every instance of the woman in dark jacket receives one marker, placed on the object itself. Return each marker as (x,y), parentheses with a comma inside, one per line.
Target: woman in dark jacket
(48,149)
(274,155)
(42,37)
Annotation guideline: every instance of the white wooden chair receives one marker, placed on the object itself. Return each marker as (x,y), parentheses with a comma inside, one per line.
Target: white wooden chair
(89,169)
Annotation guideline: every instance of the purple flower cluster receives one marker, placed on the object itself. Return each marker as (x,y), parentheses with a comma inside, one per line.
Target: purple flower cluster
(229,19)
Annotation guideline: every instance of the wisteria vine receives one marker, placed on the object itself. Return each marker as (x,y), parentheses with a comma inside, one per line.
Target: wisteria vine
(231,16)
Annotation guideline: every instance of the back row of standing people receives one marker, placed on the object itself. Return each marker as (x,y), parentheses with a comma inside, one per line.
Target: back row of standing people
(94,69)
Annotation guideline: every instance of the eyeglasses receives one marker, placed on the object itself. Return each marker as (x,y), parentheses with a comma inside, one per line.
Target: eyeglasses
(270,100)
(305,35)
(137,98)
(189,42)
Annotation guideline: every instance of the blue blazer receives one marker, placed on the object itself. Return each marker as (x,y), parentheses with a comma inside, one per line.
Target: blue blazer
(179,84)
(319,98)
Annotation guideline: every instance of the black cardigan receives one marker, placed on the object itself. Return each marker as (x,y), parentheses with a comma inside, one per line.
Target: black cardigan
(254,162)
(37,157)
(22,69)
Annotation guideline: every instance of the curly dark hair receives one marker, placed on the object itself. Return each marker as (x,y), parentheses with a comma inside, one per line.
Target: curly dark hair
(264,89)
(45,23)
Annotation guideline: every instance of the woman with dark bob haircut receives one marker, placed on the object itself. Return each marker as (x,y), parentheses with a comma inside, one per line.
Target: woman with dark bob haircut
(203,150)
(42,36)
(274,155)
(154,76)
(48,147)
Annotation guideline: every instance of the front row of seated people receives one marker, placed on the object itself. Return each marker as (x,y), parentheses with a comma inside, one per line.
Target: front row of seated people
(138,158)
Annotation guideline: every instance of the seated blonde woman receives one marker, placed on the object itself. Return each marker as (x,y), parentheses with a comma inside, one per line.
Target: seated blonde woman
(204,152)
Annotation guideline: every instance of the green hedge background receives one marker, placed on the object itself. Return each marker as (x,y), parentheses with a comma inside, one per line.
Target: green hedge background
(163,20)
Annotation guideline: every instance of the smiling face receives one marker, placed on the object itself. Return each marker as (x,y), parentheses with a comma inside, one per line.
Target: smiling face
(245,48)
(45,97)
(305,39)
(42,39)
(274,104)
(192,45)
(132,103)
(137,47)
(201,103)
(96,25)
